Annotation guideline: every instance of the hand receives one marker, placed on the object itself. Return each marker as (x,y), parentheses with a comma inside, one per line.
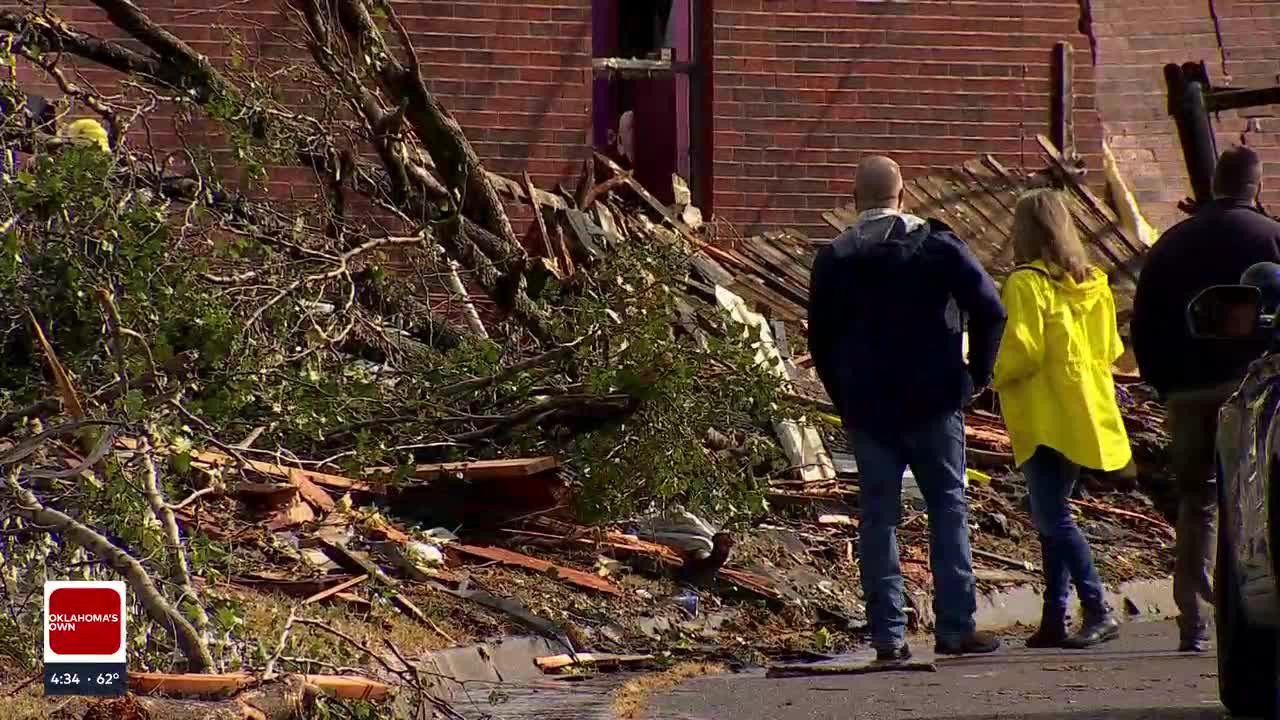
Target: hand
(977,393)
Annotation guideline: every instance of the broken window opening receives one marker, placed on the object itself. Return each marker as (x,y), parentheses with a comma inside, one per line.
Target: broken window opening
(645,29)
(647,61)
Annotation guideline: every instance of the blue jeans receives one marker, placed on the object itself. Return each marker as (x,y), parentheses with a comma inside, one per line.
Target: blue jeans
(935,453)
(1066,554)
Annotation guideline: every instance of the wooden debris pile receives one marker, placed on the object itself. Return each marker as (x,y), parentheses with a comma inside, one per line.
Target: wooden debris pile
(384,537)
(977,201)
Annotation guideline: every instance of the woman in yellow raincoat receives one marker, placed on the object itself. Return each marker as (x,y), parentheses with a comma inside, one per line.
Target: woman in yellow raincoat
(1057,394)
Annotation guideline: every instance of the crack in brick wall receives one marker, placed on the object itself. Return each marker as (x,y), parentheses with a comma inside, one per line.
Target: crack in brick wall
(1135,40)
(1222,47)
(804,88)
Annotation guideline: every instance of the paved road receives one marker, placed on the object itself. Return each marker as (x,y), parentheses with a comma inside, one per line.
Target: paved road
(1137,677)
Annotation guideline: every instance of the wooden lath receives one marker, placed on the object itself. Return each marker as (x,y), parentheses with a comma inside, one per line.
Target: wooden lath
(977,201)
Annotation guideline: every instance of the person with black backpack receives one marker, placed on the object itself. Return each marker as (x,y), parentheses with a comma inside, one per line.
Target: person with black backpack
(887,308)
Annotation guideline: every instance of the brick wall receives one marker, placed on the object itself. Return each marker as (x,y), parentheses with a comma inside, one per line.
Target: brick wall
(1135,41)
(804,88)
(516,75)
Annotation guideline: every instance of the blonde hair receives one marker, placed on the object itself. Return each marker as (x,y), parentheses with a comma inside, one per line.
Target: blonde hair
(1043,229)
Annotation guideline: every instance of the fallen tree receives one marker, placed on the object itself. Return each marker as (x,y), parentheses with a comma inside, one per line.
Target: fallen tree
(142,292)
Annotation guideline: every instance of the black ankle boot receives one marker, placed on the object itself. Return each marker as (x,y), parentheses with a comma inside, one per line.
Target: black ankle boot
(1047,637)
(1052,632)
(1097,629)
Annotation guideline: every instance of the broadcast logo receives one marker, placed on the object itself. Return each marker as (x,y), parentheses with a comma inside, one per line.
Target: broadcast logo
(85,638)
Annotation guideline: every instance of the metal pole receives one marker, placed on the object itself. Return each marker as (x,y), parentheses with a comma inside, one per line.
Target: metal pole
(1195,130)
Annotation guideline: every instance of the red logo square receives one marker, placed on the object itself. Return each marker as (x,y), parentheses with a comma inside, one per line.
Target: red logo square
(85,621)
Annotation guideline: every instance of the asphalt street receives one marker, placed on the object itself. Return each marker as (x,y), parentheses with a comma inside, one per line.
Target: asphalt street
(1137,677)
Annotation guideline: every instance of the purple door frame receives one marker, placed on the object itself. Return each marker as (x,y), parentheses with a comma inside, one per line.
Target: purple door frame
(604,43)
(683,53)
(667,110)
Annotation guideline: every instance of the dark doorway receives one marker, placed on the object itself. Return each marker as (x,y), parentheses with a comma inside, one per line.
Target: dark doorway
(657,74)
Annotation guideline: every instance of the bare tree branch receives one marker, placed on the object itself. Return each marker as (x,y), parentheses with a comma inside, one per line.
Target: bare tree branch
(161,612)
(179,572)
(195,68)
(49,33)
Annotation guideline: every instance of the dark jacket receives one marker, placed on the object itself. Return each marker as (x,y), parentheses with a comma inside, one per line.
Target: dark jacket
(886,312)
(1213,247)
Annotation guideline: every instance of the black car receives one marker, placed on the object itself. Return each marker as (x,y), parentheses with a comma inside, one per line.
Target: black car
(1248,453)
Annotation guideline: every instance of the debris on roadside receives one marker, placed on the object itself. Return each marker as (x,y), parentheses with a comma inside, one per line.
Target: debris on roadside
(473,508)
(838,668)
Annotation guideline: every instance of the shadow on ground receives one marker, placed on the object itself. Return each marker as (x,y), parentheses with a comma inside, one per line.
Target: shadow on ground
(1177,713)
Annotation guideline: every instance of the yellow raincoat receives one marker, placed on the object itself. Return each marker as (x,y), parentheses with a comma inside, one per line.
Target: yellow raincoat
(1053,372)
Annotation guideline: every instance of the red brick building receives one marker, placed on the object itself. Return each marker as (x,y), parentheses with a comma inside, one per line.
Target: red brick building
(1239,41)
(775,101)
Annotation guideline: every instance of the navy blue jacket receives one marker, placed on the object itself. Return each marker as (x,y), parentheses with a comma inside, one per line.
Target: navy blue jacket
(887,309)
(1213,247)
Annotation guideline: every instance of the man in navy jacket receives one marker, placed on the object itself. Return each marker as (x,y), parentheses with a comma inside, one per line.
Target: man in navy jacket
(888,301)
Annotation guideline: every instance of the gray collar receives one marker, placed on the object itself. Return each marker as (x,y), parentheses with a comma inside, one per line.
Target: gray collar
(866,216)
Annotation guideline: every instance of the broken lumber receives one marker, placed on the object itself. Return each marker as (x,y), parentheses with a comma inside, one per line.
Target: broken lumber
(189,684)
(286,584)
(663,211)
(558,265)
(283,472)
(555,662)
(298,513)
(509,469)
(312,493)
(355,563)
(267,494)
(1011,562)
(741,579)
(347,687)
(508,557)
(287,698)
(323,594)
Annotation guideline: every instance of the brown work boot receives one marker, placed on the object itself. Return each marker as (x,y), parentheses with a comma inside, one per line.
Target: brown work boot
(975,643)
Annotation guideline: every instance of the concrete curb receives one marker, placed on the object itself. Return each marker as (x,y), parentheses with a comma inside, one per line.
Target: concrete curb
(474,678)
(1141,599)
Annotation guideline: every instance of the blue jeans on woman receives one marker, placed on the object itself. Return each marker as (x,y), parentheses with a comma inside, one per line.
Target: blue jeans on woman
(1051,478)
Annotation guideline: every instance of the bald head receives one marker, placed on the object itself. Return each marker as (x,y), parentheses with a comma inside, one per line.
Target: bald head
(1238,175)
(878,183)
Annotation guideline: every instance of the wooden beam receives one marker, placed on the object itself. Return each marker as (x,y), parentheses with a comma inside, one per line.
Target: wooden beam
(330,592)
(1221,99)
(515,190)
(488,469)
(633,68)
(547,245)
(211,684)
(1062,101)
(555,662)
(507,557)
(652,201)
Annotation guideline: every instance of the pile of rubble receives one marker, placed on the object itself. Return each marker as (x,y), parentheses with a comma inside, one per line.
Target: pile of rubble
(515,559)
(326,437)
